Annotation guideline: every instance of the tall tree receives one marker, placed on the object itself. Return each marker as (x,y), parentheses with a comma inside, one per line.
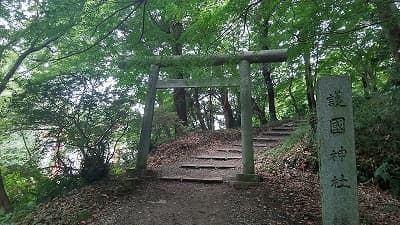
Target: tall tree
(389,14)
(227,108)
(265,11)
(259,111)
(4,201)
(197,109)
(29,27)
(176,29)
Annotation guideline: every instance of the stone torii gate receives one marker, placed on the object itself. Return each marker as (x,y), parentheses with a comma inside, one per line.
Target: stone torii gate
(243,59)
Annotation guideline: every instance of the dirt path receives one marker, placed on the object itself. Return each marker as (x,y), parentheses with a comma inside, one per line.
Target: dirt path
(160,202)
(290,196)
(171,201)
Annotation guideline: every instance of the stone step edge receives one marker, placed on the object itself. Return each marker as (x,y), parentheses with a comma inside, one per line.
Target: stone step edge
(193,179)
(282,128)
(207,166)
(254,145)
(229,150)
(217,157)
(276,133)
(266,139)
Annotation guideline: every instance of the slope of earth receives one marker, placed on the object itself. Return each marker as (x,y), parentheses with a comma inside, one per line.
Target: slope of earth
(290,196)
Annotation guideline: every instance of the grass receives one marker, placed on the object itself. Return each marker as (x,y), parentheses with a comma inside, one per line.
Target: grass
(296,149)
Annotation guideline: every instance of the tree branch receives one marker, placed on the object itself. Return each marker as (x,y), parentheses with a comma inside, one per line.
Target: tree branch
(21,58)
(243,15)
(111,15)
(96,43)
(117,141)
(26,145)
(143,17)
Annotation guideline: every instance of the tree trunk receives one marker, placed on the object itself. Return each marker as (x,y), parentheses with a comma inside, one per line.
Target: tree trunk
(210,119)
(390,17)
(310,92)
(270,89)
(294,101)
(228,113)
(180,105)
(237,111)
(179,93)
(389,14)
(267,68)
(368,79)
(309,82)
(197,109)
(4,201)
(364,81)
(259,112)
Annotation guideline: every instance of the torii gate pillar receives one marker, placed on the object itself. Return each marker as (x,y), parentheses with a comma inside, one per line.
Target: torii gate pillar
(246,109)
(145,134)
(246,114)
(244,60)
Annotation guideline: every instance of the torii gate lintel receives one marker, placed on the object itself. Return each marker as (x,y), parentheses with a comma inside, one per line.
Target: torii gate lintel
(244,60)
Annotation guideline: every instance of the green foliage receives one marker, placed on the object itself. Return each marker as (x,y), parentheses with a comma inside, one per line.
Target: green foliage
(297,149)
(21,188)
(290,97)
(388,176)
(49,188)
(88,114)
(165,126)
(59,45)
(117,169)
(27,186)
(377,128)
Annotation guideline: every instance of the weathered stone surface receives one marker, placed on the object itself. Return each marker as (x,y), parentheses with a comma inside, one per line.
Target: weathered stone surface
(336,149)
(193,179)
(207,166)
(282,128)
(217,157)
(254,145)
(235,150)
(246,115)
(181,83)
(262,56)
(277,133)
(145,134)
(266,139)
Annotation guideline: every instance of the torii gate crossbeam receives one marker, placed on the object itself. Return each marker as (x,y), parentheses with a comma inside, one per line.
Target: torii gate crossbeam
(244,60)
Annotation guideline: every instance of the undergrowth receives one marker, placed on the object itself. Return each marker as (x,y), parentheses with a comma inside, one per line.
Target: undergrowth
(27,187)
(297,151)
(377,129)
(377,139)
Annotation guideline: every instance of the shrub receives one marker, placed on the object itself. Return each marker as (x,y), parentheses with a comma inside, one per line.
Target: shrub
(377,129)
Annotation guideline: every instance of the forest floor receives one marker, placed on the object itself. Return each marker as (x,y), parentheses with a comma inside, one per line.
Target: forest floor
(290,196)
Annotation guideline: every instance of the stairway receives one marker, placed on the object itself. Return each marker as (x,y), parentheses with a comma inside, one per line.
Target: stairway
(222,164)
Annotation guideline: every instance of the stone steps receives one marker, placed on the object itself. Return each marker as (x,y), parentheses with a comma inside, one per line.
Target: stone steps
(282,128)
(290,125)
(230,150)
(276,133)
(193,179)
(266,139)
(207,166)
(213,157)
(254,145)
